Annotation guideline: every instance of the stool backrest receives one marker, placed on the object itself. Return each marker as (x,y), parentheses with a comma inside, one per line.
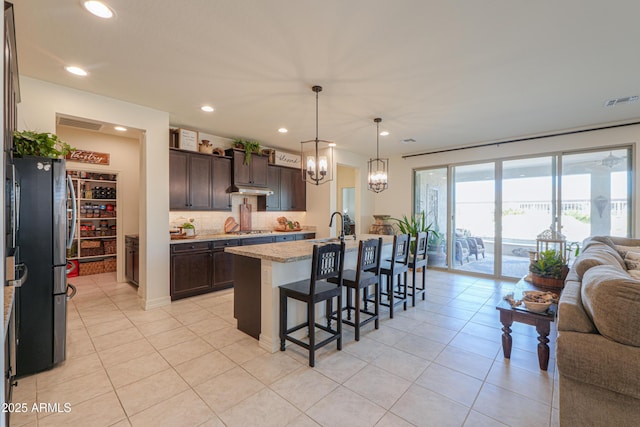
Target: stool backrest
(327,262)
(400,250)
(420,251)
(369,254)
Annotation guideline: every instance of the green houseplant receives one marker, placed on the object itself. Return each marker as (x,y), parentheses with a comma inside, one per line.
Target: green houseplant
(249,148)
(415,224)
(549,269)
(45,144)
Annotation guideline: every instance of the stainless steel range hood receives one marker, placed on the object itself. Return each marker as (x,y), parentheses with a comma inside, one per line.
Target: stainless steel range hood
(246,190)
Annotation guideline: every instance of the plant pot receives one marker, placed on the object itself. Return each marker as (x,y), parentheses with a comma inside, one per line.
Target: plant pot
(547,282)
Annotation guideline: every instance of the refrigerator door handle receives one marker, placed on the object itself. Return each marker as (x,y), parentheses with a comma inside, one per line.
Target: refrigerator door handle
(20,281)
(73,291)
(72,231)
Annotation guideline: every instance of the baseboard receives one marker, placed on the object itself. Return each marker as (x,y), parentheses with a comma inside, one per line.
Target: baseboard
(156,302)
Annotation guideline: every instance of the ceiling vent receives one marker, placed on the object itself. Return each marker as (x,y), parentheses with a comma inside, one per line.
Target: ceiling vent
(81,124)
(408,141)
(618,101)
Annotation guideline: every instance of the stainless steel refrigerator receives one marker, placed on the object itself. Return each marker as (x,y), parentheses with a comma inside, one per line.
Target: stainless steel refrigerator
(43,234)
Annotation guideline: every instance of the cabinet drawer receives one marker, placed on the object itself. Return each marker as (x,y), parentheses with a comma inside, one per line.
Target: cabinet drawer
(190,247)
(286,238)
(305,236)
(225,243)
(257,240)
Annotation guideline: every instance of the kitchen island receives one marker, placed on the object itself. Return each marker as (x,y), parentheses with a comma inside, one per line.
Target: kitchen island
(261,269)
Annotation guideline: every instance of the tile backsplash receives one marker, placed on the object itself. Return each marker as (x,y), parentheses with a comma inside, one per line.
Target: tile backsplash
(213,221)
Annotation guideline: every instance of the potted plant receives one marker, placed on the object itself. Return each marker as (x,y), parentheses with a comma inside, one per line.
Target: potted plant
(188,228)
(414,225)
(248,146)
(549,269)
(44,144)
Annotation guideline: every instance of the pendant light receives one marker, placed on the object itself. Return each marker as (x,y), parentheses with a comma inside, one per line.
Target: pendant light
(317,155)
(378,168)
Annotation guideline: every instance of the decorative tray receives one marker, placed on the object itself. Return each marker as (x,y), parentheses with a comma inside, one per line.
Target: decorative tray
(182,236)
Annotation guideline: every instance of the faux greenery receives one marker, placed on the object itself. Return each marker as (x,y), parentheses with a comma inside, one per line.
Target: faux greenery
(248,146)
(550,263)
(188,225)
(45,144)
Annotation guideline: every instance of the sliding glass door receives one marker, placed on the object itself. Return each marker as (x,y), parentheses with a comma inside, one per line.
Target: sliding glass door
(528,208)
(490,214)
(596,194)
(473,233)
(431,199)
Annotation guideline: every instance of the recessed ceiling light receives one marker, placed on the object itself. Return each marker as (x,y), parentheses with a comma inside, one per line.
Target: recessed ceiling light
(207,108)
(384,133)
(76,70)
(99,9)
(283,130)
(332,144)
(120,128)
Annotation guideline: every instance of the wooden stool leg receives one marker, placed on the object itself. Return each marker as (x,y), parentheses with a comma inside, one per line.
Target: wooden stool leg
(283,320)
(357,313)
(376,304)
(392,291)
(311,322)
(339,328)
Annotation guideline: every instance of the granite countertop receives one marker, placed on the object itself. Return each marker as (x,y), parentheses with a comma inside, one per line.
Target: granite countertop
(299,249)
(9,292)
(225,236)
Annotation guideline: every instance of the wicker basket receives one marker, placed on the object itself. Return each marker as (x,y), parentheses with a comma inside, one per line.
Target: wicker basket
(85,244)
(92,267)
(92,251)
(110,247)
(110,264)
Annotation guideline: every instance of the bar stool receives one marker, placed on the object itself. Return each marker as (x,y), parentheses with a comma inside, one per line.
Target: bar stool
(396,267)
(358,281)
(327,263)
(416,261)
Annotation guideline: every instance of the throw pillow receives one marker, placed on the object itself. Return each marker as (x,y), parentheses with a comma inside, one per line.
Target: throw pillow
(632,260)
(624,250)
(597,254)
(611,298)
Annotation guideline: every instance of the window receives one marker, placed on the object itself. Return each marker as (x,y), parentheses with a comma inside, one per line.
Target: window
(498,208)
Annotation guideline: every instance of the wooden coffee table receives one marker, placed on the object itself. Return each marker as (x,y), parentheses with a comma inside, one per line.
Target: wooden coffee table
(542,322)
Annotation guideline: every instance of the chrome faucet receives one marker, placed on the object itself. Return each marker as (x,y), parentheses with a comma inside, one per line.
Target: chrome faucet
(342,223)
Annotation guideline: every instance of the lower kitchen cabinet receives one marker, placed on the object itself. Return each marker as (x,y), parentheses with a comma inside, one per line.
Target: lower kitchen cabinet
(191,270)
(132,260)
(201,267)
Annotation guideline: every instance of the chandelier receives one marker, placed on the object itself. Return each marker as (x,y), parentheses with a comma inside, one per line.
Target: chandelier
(378,168)
(317,155)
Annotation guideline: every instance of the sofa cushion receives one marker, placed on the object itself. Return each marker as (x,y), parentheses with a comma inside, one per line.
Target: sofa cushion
(571,313)
(597,254)
(632,261)
(624,250)
(611,298)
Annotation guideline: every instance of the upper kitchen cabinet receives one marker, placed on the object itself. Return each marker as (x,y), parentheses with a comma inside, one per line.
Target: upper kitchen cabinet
(11,81)
(289,191)
(293,190)
(253,174)
(198,181)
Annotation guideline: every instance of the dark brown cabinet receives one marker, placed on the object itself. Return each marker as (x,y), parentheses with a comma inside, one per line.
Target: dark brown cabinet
(191,269)
(132,260)
(253,174)
(289,191)
(223,264)
(199,181)
(201,267)
(221,176)
(293,190)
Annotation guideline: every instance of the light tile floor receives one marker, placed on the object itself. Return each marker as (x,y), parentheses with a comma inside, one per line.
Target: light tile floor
(438,364)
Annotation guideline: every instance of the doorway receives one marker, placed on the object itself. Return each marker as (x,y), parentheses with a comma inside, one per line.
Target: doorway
(347,195)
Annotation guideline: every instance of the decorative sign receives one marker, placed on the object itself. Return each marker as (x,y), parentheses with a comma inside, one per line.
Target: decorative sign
(188,140)
(287,159)
(85,156)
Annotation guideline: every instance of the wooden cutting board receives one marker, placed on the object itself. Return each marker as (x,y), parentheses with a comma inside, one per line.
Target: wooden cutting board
(245,215)
(230,225)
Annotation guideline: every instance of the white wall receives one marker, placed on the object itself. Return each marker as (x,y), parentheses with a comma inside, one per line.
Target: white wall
(41,101)
(124,160)
(398,199)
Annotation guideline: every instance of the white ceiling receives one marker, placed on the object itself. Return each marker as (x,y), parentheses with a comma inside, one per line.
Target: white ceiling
(445,73)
